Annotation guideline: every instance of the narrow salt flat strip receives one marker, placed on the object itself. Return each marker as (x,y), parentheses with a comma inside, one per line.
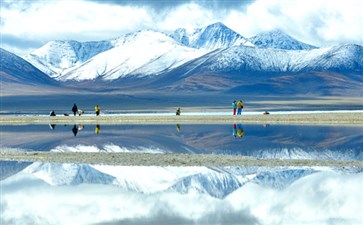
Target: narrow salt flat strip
(229,113)
(210,113)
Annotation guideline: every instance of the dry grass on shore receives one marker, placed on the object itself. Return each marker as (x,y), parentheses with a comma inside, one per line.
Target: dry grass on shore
(148,159)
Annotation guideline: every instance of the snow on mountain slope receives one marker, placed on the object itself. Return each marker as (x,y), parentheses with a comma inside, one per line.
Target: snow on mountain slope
(216,182)
(138,54)
(280,40)
(220,184)
(211,37)
(57,57)
(68,174)
(241,58)
(149,53)
(280,179)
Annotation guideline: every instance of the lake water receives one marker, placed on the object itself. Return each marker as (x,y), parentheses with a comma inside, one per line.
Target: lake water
(45,193)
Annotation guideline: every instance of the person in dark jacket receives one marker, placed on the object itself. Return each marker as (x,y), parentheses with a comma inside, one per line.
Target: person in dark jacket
(52,113)
(74,109)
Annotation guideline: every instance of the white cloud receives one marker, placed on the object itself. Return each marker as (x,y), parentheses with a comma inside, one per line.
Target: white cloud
(317,22)
(187,16)
(69,19)
(321,198)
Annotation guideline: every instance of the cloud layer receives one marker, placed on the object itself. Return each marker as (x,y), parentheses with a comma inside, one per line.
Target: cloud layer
(321,198)
(321,22)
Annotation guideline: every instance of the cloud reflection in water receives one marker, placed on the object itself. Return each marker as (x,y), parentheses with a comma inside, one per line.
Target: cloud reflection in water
(327,197)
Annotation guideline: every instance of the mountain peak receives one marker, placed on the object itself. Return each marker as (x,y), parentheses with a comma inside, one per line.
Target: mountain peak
(217,24)
(211,37)
(278,39)
(56,57)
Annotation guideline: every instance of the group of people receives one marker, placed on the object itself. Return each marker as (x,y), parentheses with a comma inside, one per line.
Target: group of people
(237,106)
(75,110)
(78,111)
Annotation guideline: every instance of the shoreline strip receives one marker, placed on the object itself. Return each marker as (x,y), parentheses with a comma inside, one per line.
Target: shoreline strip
(169,159)
(308,119)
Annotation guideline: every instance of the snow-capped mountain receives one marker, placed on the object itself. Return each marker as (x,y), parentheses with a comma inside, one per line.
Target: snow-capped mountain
(278,39)
(216,182)
(57,57)
(240,69)
(139,54)
(69,174)
(346,57)
(211,37)
(213,58)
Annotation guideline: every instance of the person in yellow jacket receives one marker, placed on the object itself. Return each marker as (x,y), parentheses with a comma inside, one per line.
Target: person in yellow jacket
(239,107)
(97,110)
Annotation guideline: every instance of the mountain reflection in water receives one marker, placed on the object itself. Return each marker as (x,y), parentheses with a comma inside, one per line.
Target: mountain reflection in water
(262,141)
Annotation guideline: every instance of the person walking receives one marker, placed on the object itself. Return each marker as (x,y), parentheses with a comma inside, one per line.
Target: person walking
(234,107)
(74,109)
(97,110)
(239,107)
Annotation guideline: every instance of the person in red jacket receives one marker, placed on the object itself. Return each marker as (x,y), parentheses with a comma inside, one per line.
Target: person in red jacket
(234,107)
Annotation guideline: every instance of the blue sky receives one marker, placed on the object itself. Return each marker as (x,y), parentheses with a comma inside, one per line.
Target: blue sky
(27,25)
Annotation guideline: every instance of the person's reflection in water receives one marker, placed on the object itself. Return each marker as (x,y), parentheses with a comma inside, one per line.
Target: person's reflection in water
(80,127)
(234,133)
(75,130)
(178,127)
(240,131)
(98,128)
(52,126)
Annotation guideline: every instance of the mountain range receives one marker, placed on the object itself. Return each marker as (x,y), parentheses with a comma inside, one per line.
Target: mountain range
(218,182)
(209,59)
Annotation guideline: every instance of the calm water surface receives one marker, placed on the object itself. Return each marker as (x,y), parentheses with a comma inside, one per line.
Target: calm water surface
(44,193)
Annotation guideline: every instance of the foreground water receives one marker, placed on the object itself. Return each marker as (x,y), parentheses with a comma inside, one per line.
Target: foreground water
(45,193)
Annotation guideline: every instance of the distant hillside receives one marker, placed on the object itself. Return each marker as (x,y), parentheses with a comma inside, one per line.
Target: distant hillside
(16,70)
(328,71)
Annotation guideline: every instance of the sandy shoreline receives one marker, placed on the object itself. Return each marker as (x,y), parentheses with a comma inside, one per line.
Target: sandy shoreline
(149,159)
(308,118)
